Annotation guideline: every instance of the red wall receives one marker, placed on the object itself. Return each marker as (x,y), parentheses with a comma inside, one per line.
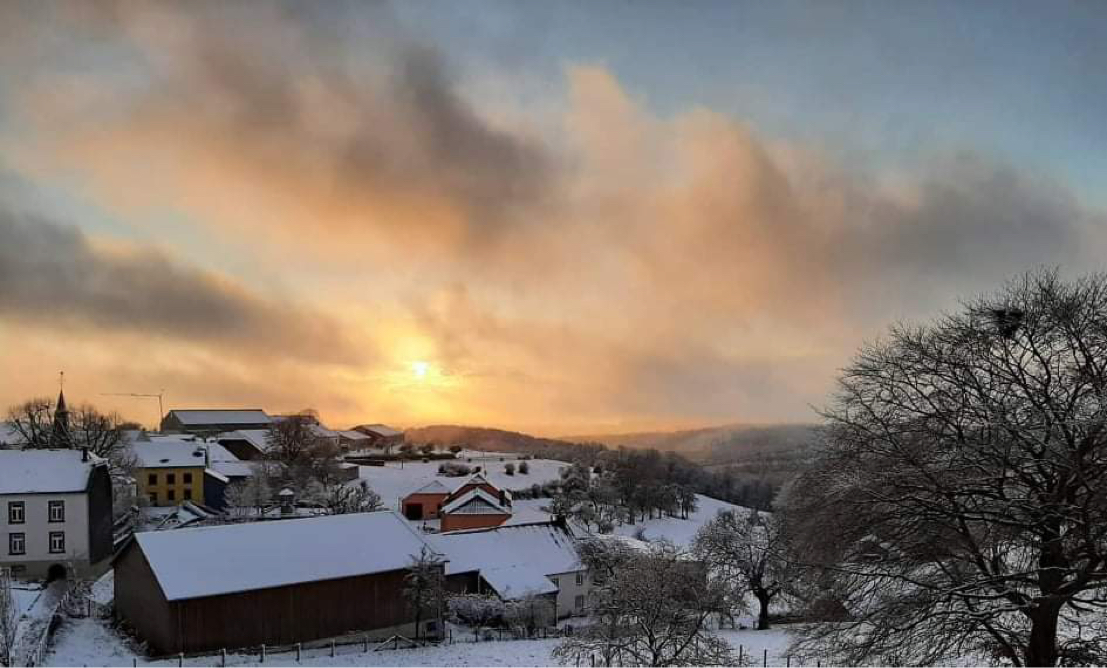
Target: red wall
(457,522)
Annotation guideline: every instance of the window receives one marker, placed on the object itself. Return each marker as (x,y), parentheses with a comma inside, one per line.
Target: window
(17,543)
(187,494)
(57,542)
(16,512)
(170,479)
(188,478)
(152,479)
(57,511)
(580,578)
(170,495)
(580,602)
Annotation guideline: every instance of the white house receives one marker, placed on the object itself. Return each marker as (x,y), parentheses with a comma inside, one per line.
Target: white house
(520,560)
(55,513)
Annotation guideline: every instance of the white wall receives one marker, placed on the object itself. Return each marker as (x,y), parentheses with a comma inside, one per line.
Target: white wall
(37,529)
(568,590)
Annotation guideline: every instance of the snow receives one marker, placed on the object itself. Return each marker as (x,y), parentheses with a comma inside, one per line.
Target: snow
(394,481)
(218,416)
(259,438)
(544,548)
(433,487)
(31,471)
(379,429)
(679,531)
(209,561)
(515,582)
(89,642)
(353,435)
(168,453)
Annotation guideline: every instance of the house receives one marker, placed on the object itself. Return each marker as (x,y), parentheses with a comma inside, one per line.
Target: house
(381,436)
(353,440)
(474,504)
(274,583)
(516,562)
(474,509)
(10,437)
(56,510)
(425,502)
(170,470)
(214,420)
(245,444)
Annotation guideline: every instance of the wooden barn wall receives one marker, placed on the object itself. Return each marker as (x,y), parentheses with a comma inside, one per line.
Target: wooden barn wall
(140,602)
(296,613)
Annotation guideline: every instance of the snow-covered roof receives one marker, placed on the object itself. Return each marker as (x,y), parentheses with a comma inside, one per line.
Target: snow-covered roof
(217,416)
(432,487)
(379,429)
(353,435)
(209,561)
(232,469)
(546,548)
(322,432)
(520,581)
(217,475)
(259,438)
(475,502)
(49,471)
(165,453)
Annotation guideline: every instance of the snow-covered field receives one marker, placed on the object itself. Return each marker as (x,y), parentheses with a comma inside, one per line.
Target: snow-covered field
(89,642)
(680,531)
(394,481)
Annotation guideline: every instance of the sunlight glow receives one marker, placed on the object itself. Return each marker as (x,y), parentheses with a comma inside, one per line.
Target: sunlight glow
(420,369)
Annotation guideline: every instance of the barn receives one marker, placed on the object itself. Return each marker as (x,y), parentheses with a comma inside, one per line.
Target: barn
(273,583)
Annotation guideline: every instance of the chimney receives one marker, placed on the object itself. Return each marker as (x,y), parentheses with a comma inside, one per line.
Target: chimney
(84,454)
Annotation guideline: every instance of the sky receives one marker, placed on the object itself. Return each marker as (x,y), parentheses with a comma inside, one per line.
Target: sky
(563,217)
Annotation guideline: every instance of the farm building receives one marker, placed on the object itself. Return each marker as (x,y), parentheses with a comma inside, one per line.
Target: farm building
(170,470)
(214,420)
(474,504)
(380,436)
(516,562)
(271,582)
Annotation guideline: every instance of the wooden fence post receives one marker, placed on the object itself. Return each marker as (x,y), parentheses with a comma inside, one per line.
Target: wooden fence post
(134,662)
(366,642)
(765,658)
(223,657)
(788,660)
(180,659)
(297,652)
(332,647)
(740,649)
(263,652)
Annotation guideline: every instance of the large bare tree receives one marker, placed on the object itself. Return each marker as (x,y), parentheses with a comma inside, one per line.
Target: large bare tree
(959,502)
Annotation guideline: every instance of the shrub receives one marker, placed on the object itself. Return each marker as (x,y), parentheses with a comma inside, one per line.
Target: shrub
(509,468)
(524,468)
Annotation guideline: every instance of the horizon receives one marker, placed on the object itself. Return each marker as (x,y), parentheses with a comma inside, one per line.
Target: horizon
(416,214)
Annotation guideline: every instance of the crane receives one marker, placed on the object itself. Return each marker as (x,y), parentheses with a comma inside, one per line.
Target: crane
(158,396)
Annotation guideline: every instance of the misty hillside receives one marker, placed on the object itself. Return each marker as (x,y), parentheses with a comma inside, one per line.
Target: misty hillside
(481,438)
(773,452)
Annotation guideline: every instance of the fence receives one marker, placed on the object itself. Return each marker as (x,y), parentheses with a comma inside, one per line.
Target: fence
(359,645)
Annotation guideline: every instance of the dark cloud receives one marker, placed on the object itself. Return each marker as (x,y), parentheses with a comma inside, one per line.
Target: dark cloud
(50,273)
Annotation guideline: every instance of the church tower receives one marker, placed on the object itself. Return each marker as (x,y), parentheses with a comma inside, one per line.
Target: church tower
(61,436)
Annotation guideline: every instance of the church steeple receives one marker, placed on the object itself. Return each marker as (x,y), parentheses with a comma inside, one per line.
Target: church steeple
(60,436)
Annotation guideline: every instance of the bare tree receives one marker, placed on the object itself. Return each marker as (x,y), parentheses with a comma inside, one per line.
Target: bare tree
(652,608)
(425,586)
(290,441)
(965,472)
(9,620)
(33,420)
(256,492)
(100,432)
(352,497)
(750,550)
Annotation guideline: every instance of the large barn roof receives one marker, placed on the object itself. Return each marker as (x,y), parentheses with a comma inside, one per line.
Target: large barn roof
(168,453)
(219,416)
(37,471)
(232,558)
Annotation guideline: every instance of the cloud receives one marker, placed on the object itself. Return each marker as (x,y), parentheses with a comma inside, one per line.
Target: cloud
(51,274)
(602,264)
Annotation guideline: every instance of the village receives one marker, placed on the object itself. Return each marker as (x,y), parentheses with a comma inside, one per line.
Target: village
(235,532)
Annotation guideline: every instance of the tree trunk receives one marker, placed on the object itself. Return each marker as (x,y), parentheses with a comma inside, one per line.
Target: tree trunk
(1042,648)
(763,599)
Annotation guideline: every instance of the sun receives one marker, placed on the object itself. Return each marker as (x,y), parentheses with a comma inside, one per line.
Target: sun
(419,369)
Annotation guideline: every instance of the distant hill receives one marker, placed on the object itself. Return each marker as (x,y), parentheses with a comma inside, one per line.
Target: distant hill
(482,438)
(773,451)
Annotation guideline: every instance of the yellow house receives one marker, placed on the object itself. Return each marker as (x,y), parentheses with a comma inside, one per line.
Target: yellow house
(170,470)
